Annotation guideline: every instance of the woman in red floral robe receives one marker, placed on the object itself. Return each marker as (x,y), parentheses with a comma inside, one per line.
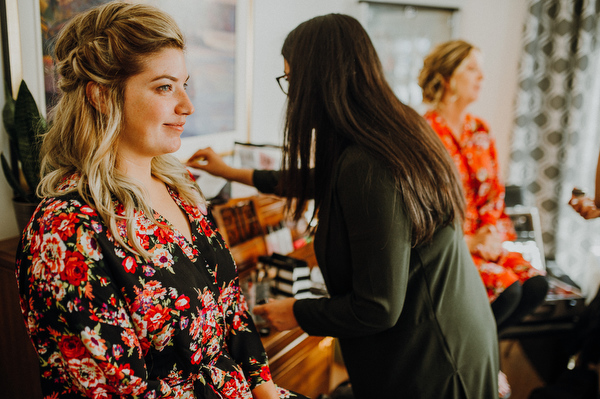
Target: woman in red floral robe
(451,79)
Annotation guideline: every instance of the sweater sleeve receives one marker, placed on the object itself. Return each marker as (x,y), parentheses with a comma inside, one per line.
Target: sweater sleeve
(379,245)
(266,181)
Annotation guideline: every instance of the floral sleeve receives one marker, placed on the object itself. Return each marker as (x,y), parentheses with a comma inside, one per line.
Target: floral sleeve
(491,191)
(241,335)
(76,315)
(243,339)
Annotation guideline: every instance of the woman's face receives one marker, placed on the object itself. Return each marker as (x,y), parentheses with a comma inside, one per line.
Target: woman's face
(156,106)
(465,82)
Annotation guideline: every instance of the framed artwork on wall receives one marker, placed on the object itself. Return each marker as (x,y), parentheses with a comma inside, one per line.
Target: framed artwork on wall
(217,33)
(11,45)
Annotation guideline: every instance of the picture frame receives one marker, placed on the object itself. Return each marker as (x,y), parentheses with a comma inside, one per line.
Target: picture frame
(226,133)
(11,45)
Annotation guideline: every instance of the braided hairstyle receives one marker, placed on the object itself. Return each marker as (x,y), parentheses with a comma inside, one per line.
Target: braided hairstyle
(106,46)
(439,66)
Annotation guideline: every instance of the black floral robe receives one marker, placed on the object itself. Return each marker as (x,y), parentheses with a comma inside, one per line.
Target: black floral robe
(106,323)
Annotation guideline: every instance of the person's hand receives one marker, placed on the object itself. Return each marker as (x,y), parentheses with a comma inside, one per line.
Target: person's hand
(584,206)
(265,390)
(209,161)
(279,314)
(486,243)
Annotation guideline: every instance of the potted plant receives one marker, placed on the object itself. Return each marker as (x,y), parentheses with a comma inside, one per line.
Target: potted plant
(24,125)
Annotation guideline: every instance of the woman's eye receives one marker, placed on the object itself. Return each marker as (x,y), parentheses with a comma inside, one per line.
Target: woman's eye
(185,86)
(165,88)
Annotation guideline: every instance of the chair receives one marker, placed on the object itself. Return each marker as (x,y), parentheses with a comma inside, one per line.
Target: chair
(564,302)
(529,242)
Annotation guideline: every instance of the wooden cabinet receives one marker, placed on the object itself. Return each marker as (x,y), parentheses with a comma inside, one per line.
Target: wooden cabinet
(300,362)
(19,370)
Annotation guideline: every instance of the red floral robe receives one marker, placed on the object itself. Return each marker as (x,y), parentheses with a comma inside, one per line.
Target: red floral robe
(474,154)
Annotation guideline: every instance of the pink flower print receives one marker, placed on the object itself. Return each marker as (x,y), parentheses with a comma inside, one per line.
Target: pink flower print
(182,303)
(162,339)
(162,258)
(482,139)
(197,355)
(145,225)
(265,373)
(86,372)
(87,244)
(52,253)
(75,270)
(482,174)
(129,338)
(93,342)
(117,351)
(64,224)
(183,323)
(101,393)
(234,385)
(154,289)
(196,326)
(149,271)
(71,347)
(129,264)
(87,210)
(156,317)
(206,228)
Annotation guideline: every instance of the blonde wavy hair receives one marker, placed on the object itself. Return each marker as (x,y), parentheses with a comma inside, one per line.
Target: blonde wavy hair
(106,45)
(439,66)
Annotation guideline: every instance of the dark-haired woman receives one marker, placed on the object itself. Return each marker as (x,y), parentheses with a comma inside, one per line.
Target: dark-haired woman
(405,299)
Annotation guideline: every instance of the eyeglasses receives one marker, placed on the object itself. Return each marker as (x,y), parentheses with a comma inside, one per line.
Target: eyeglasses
(283,83)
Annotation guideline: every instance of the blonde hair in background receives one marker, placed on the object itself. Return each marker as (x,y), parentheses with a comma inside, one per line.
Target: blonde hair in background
(439,66)
(105,46)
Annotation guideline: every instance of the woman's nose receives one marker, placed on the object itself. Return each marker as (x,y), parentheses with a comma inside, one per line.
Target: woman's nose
(185,106)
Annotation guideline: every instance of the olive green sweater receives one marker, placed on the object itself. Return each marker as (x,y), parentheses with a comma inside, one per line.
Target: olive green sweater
(412,322)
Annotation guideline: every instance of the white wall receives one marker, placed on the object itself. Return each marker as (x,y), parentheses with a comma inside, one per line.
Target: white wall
(494,26)
(273,20)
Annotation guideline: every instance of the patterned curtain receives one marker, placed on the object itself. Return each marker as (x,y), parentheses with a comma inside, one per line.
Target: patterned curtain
(555,138)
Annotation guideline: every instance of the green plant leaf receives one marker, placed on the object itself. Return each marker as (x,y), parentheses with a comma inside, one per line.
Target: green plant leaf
(14,183)
(8,112)
(29,125)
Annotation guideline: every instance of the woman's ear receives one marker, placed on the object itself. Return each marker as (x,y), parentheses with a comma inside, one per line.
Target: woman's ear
(447,83)
(95,95)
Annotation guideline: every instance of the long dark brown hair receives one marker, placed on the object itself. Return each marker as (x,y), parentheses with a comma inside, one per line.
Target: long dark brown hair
(338,96)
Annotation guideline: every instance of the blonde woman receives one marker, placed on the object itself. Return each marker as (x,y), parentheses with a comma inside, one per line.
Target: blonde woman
(126,287)
(451,80)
